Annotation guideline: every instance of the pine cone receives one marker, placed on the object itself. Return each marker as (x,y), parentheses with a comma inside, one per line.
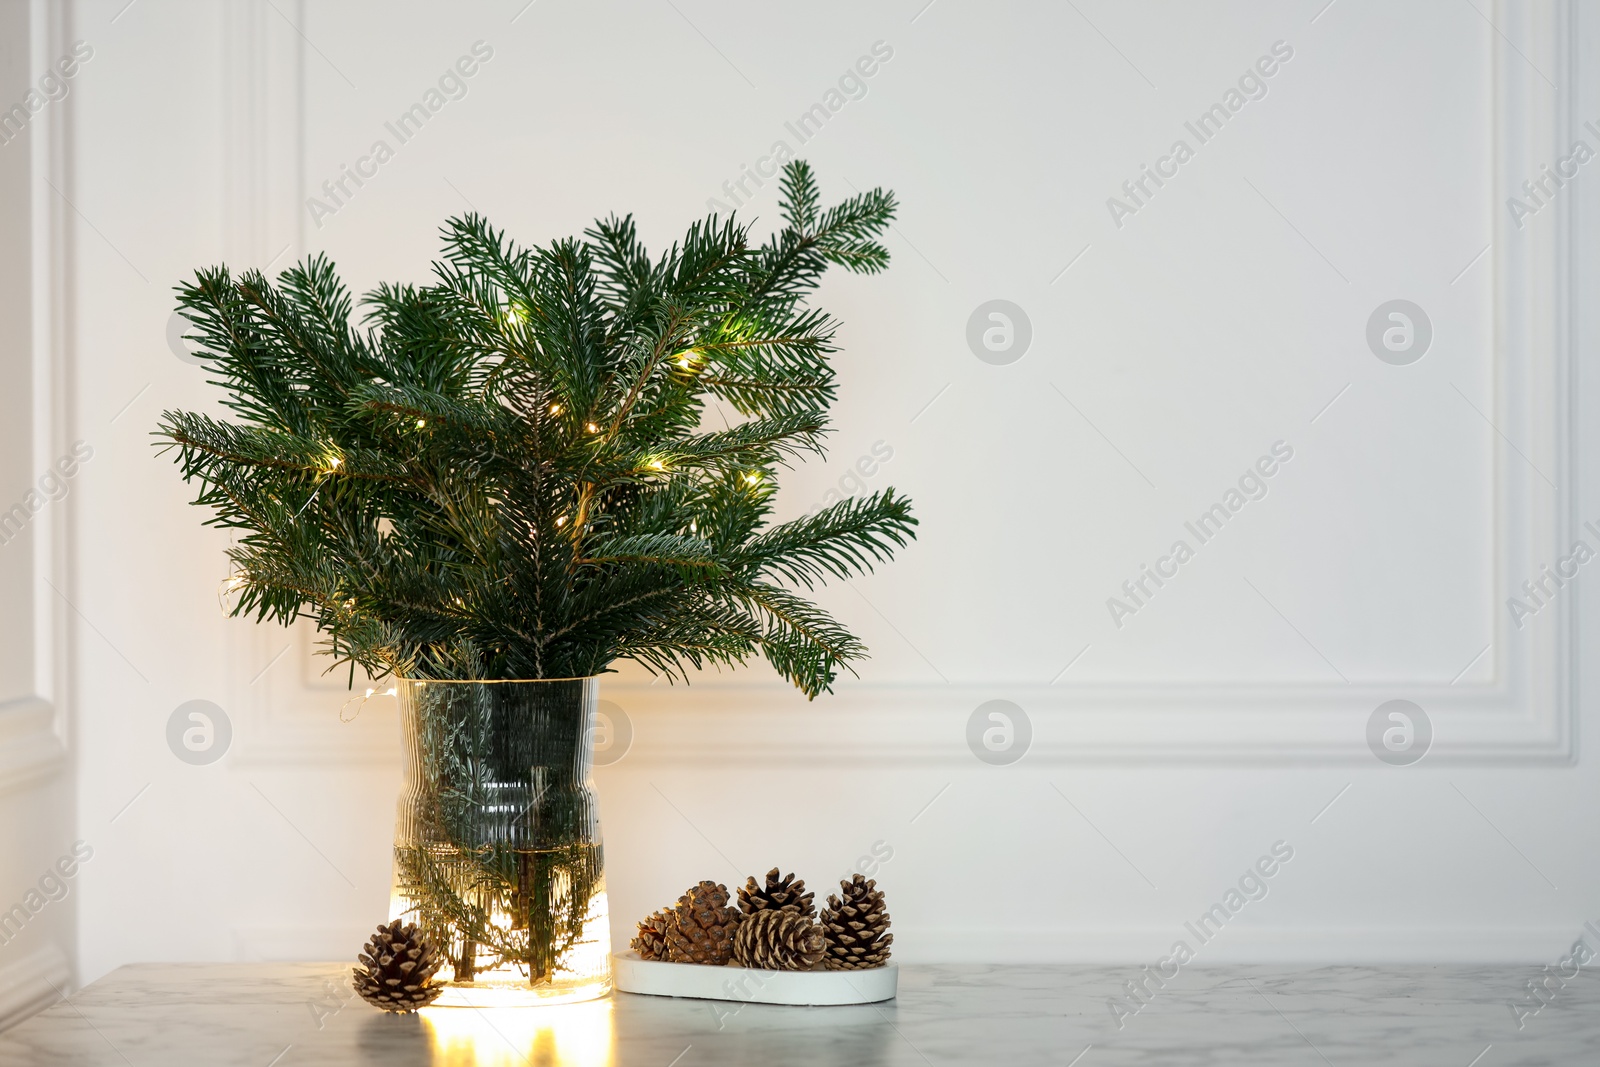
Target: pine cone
(778,941)
(703,926)
(780,894)
(855,927)
(651,944)
(397,969)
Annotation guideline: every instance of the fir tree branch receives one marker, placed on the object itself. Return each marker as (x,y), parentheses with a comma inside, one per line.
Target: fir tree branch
(505,474)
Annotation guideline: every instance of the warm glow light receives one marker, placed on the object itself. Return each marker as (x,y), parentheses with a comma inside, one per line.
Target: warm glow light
(561,520)
(421,423)
(583,975)
(555,409)
(336,462)
(564,1035)
(592,428)
(656,464)
(754,477)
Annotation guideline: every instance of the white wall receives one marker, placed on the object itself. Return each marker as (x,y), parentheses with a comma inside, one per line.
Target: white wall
(1167,355)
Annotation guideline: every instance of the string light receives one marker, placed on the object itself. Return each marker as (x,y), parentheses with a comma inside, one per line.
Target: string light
(335,463)
(656,464)
(591,427)
(561,520)
(754,478)
(555,409)
(421,423)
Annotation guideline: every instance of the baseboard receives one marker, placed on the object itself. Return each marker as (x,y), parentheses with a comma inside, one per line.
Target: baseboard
(32,983)
(1299,945)
(1534,945)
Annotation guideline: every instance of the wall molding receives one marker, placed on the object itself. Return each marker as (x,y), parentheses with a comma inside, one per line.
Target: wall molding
(292,713)
(287,711)
(30,749)
(1523,713)
(31,746)
(1125,949)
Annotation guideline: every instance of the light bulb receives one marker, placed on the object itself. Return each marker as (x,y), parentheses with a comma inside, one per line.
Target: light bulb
(656,464)
(336,462)
(421,423)
(561,520)
(591,427)
(555,409)
(754,477)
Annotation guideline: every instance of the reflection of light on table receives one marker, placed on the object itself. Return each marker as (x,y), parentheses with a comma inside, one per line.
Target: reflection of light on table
(561,1035)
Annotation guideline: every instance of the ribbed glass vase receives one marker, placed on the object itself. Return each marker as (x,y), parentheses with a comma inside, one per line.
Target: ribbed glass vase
(497,853)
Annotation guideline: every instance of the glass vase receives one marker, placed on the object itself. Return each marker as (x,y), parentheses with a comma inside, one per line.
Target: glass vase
(497,853)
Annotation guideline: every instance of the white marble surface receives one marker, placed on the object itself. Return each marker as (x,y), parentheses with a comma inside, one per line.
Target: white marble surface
(297,1015)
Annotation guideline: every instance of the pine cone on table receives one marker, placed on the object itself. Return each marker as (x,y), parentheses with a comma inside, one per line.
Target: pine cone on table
(651,944)
(703,926)
(855,926)
(779,894)
(397,969)
(779,941)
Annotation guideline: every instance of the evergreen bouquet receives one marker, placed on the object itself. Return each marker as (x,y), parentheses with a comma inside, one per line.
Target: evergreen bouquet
(505,473)
(517,472)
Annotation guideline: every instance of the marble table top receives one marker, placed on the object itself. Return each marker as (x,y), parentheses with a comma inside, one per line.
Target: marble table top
(304,1014)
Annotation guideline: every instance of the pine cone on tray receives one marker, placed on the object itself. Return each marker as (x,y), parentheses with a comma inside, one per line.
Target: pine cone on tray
(855,926)
(651,944)
(779,941)
(703,926)
(779,894)
(397,969)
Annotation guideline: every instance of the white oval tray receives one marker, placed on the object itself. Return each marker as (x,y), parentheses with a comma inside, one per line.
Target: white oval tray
(750,986)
